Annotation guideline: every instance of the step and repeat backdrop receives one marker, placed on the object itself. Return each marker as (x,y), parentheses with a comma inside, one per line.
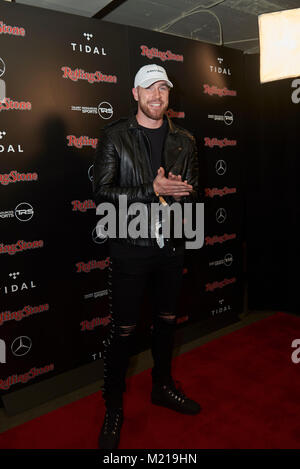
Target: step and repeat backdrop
(62,79)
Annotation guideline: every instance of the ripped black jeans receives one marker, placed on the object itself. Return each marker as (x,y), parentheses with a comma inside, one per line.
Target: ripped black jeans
(130,270)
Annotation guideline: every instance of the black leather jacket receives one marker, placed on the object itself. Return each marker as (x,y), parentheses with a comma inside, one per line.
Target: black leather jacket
(123,166)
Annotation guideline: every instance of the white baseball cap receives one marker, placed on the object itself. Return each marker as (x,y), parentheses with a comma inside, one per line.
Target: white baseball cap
(149,74)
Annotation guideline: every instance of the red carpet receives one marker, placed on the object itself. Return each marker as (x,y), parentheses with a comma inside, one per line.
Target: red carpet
(245,381)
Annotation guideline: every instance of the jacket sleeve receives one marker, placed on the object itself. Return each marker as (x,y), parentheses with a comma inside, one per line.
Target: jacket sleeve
(106,177)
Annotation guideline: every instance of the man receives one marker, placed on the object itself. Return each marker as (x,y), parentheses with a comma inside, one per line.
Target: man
(149,160)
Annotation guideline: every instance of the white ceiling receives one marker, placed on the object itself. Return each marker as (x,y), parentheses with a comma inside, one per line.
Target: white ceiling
(230,22)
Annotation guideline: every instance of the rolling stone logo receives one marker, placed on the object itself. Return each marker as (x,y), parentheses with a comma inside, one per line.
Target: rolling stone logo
(25,377)
(9,105)
(86,267)
(88,47)
(22,313)
(95,322)
(178,114)
(227,261)
(104,110)
(227,118)
(83,206)
(14,176)
(17,286)
(220,192)
(12,30)
(23,212)
(8,147)
(81,142)
(20,246)
(210,287)
(79,74)
(214,90)
(153,53)
(220,239)
(221,143)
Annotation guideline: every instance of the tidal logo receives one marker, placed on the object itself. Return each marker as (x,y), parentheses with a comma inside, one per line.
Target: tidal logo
(17,286)
(9,148)
(86,48)
(296,94)
(2,351)
(220,69)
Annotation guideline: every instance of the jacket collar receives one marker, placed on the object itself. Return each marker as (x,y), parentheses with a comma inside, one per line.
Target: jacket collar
(133,124)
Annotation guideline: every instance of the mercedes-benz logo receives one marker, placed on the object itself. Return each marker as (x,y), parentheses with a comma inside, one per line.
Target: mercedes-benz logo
(228,259)
(105,110)
(91,173)
(21,346)
(98,234)
(24,211)
(221,167)
(2,67)
(221,215)
(228,118)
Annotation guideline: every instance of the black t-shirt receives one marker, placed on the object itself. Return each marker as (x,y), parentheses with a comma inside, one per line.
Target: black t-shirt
(156,138)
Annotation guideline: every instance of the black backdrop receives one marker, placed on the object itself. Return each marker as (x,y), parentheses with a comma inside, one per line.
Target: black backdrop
(272,190)
(54,304)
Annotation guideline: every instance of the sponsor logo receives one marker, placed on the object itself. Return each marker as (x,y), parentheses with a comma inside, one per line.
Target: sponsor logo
(104,110)
(178,114)
(211,240)
(87,48)
(14,176)
(23,212)
(227,261)
(24,378)
(182,319)
(221,215)
(153,53)
(221,143)
(296,93)
(97,355)
(20,246)
(79,74)
(21,346)
(96,294)
(83,206)
(91,173)
(221,167)
(9,148)
(214,90)
(20,314)
(95,322)
(220,69)
(14,288)
(99,235)
(86,267)
(220,192)
(11,30)
(10,105)
(227,118)
(222,308)
(209,287)
(2,351)
(80,142)
(2,67)
(2,82)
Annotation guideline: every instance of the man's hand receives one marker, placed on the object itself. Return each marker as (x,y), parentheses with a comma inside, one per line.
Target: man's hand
(173,185)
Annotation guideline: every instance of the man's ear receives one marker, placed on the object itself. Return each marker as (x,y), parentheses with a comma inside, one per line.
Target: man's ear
(135,94)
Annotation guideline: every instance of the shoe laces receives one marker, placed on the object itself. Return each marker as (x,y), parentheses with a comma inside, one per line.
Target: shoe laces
(112,420)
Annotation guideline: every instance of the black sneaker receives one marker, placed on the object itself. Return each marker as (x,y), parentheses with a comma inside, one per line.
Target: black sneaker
(167,395)
(110,432)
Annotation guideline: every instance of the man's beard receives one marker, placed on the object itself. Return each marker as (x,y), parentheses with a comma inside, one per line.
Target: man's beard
(153,113)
